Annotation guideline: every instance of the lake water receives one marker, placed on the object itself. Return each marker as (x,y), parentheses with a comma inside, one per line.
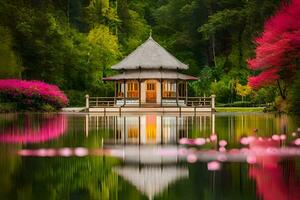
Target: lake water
(149,156)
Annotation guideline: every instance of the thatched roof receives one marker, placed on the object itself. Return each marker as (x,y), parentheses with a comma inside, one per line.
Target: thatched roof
(150,55)
(150,74)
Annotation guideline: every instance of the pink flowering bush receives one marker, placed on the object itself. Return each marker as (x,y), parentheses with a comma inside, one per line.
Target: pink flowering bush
(49,129)
(32,94)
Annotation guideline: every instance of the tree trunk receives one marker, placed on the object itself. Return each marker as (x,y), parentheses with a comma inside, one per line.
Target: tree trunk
(214,49)
(282,92)
(240,46)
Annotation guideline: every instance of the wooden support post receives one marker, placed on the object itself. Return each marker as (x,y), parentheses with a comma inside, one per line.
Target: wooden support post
(213,108)
(186,93)
(139,93)
(177,136)
(124,95)
(161,130)
(124,130)
(139,130)
(161,92)
(176,84)
(116,92)
(87,101)
(87,125)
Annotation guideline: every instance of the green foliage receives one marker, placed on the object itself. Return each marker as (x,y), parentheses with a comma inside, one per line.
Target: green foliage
(105,47)
(8,107)
(264,95)
(76,98)
(294,95)
(101,12)
(9,62)
(200,87)
(224,90)
(222,20)
(73,43)
(237,104)
(240,109)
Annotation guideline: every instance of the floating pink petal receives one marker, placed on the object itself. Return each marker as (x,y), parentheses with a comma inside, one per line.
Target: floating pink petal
(297,141)
(244,141)
(223,143)
(213,137)
(275,137)
(192,158)
(81,151)
(251,139)
(184,141)
(213,166)
(251,159)
(66,152)
(222,149)
(200,141)
(283,137)
(41,152)
(25,153)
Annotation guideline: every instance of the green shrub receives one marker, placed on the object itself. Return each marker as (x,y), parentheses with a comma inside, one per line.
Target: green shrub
(8,107)
(76,98)
(238,104)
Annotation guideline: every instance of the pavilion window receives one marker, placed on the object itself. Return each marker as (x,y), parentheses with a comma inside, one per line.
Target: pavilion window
(119,90)
(132,89)
(169,88)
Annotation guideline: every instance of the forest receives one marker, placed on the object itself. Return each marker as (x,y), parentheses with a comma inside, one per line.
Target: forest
(73,43)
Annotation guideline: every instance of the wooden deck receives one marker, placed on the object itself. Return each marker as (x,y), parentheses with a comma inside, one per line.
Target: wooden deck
(149,109)
(120,105)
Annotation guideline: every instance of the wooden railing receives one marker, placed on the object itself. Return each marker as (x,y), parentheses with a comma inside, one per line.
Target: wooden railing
(199,101)
(98,102)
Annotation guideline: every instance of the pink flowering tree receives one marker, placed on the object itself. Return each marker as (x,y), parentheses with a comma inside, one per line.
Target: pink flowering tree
(32,93)
(278,49)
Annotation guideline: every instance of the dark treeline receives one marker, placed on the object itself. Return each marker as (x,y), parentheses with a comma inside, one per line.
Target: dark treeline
(72,43)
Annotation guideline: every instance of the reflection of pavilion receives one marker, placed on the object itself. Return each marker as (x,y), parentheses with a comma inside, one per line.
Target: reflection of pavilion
(149,129)
(152,180)
(139,140)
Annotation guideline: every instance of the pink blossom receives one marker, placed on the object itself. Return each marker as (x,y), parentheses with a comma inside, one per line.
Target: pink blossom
(278,47)
(30,90)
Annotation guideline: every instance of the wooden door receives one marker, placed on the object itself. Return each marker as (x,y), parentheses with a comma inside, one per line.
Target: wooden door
(151,91)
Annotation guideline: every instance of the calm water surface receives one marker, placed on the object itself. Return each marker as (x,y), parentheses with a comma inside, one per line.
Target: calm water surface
(149,156)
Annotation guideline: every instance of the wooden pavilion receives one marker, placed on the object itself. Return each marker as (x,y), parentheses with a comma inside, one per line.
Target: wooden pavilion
(150,77)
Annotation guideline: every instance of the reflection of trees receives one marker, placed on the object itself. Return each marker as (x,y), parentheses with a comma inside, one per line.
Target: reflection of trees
(272,182)
(9,164)
(233,126)
(229,183)
(50,128)
(65,178)
(55,178)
